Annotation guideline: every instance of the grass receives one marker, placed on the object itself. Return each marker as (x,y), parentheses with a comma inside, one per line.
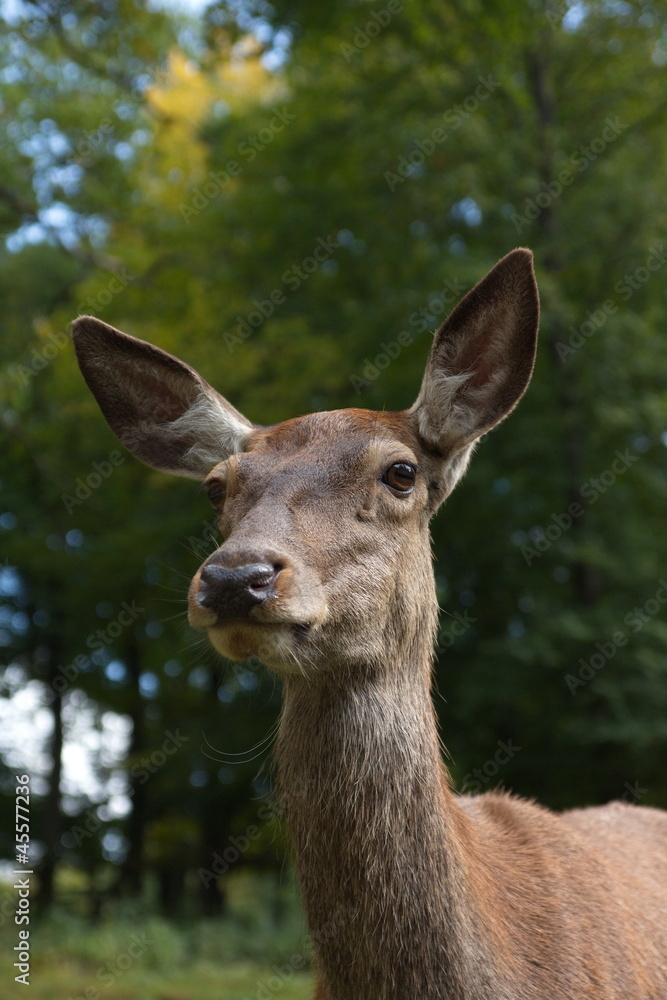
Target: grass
(68,978)
(258,952)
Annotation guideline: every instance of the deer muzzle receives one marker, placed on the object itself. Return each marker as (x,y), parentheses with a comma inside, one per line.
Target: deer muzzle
(232,593)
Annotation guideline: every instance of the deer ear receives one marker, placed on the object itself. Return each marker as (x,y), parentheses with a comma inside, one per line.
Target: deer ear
(482,357)
(162,410)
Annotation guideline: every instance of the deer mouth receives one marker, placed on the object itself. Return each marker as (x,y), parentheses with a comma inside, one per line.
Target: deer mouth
(273,643)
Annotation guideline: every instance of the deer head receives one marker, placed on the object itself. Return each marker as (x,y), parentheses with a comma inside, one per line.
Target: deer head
(325,570)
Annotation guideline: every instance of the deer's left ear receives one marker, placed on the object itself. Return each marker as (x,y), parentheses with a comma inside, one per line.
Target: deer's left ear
(481,359)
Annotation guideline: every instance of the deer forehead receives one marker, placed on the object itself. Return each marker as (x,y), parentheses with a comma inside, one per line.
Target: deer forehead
(319,452)
(335,432)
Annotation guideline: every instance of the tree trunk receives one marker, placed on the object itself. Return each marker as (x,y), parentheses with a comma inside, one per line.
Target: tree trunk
(132,875)
(171,881)
(51,817)
(585,581)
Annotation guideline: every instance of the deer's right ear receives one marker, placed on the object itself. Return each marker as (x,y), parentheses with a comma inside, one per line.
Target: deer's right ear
(481,359)
(162,410)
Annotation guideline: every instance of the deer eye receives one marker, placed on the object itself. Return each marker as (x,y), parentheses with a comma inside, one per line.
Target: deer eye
(400,477)
(215,491)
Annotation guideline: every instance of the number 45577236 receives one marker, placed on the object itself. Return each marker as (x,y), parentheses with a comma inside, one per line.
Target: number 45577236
(22,817)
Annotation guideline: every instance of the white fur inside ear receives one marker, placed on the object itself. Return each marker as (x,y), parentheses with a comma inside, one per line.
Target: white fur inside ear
(456,467)
(219,432)
(448,416)
(435,408)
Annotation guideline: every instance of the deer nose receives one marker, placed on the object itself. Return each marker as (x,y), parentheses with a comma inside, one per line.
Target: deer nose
(233,593)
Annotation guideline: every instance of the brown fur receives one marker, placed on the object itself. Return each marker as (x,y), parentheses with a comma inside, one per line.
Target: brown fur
(411,892)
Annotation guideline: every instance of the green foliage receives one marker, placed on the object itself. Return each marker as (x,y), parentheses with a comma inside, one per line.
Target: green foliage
(408,159)
(133,954)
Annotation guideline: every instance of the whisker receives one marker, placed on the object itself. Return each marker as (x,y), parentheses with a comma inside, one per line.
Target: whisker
(171,618)
(224,756)
(172,569)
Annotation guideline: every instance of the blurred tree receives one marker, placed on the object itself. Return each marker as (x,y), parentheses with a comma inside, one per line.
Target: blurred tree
(431,149)
(292,198)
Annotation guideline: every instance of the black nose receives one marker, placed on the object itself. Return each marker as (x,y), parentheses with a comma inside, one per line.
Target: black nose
(232,593)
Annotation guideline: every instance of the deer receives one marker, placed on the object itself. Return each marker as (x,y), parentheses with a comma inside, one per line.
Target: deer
(411,891)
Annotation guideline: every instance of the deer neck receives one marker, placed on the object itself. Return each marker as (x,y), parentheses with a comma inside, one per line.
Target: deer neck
(382,849)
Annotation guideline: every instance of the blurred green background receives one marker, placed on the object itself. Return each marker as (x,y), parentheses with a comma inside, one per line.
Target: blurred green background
(291,197)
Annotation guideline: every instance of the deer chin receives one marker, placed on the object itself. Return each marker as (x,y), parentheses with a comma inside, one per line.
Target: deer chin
(276,644)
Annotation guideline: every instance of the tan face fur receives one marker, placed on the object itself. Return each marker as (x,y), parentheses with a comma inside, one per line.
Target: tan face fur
(312,503)
(308,496)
